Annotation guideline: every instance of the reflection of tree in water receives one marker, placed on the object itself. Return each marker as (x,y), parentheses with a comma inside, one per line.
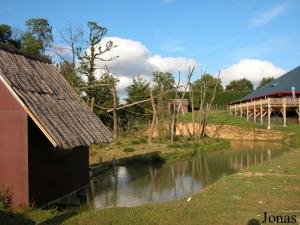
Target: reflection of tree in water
(176,179)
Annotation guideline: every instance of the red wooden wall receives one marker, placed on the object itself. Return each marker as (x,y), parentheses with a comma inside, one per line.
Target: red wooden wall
(13,147)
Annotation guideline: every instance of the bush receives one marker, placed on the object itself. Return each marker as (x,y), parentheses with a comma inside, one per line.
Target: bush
(129,150)
(139,141)
(5,198)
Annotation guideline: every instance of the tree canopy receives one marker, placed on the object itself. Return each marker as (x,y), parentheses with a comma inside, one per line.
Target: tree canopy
(239,85)
(38,37)
(264,81)
(209,82)
(6,36)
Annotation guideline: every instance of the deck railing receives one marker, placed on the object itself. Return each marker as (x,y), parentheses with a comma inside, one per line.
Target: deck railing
(287,101)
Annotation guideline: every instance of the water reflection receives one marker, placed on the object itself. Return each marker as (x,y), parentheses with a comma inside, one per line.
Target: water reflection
(138,184)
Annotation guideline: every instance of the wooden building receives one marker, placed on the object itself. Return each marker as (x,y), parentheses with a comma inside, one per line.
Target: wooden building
(45,131)
(280,97)
(182,104)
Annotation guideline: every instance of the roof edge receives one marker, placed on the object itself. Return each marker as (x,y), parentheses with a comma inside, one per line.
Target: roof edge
(268,95)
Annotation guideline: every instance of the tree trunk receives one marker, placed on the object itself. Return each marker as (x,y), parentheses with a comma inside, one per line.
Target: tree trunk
(115,116)
(153,118)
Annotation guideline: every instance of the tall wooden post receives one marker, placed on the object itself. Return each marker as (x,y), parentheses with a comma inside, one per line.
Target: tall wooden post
(299,110)
(241,110)
(269,114)
(254,112)
(92,104)
(261,112)
(235,109)
(115,117)
(247,111)
(284,111)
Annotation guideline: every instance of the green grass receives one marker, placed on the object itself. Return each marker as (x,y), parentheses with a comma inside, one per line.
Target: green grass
(128,149)
(234,199)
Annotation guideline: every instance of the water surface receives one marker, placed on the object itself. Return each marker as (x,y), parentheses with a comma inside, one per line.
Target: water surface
(138,184)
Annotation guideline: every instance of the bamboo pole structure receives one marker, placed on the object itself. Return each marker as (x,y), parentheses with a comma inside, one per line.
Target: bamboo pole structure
(115,116)
(261,112)
(247,111)
(299,110)
(269,114)
(284,111)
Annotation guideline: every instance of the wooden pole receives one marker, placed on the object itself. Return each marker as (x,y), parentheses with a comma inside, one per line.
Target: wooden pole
(254,112)
(153,118)
(247,110)
(92,103)
(261,112)
(284,111)
(269,114)
(115,117)
(299,110)
(241,111)
(235,110)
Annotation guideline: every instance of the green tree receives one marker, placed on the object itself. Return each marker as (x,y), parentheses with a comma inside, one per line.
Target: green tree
(6,36)
(88,58)
(5,33)
(264,81)
(209,82)
(69,72)
(103,97)
(239,85)
(137,91)
(38,37)
(163,83)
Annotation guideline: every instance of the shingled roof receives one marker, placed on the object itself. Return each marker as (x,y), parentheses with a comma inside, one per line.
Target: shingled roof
(51,100)
(282,85)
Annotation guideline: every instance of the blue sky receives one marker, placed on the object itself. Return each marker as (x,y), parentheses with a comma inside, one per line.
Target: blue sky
(217,34)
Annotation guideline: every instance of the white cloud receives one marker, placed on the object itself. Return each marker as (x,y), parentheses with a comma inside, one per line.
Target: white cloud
(251,69)
(136,59)
(268,15)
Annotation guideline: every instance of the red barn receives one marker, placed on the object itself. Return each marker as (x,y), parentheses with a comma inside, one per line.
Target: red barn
(45,131)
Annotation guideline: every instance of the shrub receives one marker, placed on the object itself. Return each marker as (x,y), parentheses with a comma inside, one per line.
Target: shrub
(128,149)
(5,198)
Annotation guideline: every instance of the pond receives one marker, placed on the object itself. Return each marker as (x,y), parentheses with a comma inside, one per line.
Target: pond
(138,184)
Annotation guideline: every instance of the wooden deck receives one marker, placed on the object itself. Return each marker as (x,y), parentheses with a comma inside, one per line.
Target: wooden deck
(258,109)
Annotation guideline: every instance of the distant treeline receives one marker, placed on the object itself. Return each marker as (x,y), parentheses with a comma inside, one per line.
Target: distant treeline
(221,98)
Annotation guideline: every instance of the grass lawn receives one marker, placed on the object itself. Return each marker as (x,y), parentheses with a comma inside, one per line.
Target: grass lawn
(270,187)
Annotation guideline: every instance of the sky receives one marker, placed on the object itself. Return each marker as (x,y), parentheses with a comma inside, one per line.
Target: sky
(250,39)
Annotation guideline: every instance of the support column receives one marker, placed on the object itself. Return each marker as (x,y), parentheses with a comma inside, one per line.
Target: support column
(235,110)
(269,114)
(241,111)
(284,111)
(261,112)
(299,110)
(254,113)
(248,111)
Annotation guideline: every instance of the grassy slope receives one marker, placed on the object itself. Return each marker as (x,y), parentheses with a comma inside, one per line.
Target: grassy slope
(225,118)
(232,200)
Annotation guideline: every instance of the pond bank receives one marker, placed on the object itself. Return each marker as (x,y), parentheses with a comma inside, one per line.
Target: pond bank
(143,153)
(232,200)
